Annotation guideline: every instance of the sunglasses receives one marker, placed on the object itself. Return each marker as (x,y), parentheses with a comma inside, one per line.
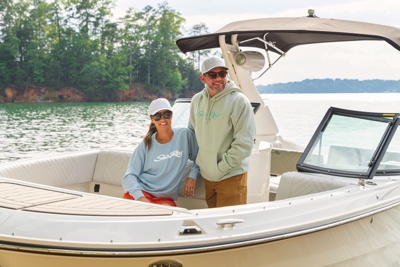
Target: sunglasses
(213,75)
(167,115)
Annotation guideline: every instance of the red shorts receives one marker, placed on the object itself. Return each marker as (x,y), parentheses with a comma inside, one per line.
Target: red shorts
(153,199)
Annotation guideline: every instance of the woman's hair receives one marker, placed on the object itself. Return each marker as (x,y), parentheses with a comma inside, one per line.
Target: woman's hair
(147,137)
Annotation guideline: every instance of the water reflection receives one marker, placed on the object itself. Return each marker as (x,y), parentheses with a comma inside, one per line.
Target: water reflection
(34,129)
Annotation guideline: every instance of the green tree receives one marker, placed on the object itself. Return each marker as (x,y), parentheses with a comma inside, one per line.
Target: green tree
(166,54)
(74,43)
(93,75)
(150,21)
(15,35)
(132,40)
(87,20)
(196,56)
(38,47)
(117,74)
(190,78)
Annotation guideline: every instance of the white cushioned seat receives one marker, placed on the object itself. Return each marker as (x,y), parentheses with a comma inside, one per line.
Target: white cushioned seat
(294,184)
(55,170)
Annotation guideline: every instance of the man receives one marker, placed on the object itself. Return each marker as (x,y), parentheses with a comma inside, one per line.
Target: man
(223,120)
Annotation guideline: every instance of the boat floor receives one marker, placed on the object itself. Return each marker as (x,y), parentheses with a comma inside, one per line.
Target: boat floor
(27,197)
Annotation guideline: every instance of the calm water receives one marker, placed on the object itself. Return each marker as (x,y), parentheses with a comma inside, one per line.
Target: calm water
(29,130)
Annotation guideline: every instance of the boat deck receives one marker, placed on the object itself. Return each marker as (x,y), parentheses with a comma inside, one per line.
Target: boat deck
(27,197)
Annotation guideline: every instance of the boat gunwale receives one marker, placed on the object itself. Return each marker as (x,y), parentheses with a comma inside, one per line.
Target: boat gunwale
(162,251)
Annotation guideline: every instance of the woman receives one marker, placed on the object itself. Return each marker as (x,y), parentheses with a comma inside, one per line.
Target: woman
(158,163)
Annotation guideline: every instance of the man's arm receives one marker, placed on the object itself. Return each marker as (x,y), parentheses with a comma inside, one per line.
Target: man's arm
(244,131)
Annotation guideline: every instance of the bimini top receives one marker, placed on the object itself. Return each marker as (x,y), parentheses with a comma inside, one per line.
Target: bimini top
(287,33)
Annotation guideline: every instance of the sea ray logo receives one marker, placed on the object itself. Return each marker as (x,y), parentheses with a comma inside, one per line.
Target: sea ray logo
(213,115)
(175,153)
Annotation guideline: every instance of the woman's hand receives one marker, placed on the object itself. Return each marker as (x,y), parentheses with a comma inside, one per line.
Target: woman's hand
(190,187)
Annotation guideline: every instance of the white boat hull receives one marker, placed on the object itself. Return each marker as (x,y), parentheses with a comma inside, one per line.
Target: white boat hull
(370,241)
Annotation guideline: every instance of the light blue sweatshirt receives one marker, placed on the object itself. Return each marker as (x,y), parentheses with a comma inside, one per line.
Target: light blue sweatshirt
(225,131)
(159,170)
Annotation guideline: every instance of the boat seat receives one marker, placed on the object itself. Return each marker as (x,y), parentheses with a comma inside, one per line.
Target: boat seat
(98,172)
(111,167)
(108,172)
(294,184)
(55,170)
(349,156)
(284,160)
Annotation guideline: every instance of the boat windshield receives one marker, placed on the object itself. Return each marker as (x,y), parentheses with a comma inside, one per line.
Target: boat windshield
(354,144)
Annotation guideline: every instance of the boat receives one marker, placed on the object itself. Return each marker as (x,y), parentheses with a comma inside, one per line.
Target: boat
(335,202)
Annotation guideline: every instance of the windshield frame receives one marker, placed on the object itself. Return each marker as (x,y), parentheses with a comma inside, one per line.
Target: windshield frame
(391,119)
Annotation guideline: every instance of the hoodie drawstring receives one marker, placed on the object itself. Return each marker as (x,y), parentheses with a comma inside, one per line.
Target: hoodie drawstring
(209,110)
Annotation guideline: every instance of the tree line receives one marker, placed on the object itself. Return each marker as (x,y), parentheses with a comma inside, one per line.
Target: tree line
(77,43)
(332,86)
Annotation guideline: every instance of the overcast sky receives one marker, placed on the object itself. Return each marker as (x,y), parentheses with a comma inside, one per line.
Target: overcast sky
(369,60)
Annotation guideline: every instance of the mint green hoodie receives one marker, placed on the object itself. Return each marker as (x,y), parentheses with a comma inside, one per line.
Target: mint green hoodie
(225,131)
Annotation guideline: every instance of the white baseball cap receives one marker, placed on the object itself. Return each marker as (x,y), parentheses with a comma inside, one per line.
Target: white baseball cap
(159,104)
(210,63)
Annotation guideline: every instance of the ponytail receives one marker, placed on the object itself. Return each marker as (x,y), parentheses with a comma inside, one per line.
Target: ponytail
(147,137)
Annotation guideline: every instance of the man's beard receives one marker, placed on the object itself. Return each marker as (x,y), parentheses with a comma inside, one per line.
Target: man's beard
(218,90)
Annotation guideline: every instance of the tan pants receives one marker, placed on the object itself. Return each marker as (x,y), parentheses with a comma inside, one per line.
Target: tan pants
(229,192)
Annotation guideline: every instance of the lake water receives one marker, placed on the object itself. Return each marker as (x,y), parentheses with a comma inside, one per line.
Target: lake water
(298,115)
(29,130)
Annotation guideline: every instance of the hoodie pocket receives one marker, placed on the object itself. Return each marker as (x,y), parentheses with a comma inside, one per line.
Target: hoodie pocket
(208,163)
